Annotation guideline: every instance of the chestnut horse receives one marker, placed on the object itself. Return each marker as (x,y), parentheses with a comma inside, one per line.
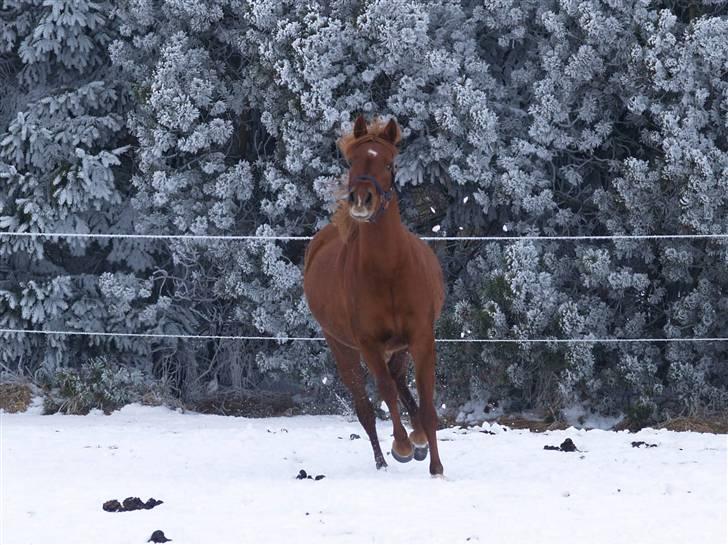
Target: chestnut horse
(376,290)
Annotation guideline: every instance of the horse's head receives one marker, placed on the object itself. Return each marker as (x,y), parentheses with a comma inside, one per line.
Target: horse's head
(370,151)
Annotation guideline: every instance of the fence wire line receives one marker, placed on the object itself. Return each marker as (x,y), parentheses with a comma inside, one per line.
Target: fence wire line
(320,339)
(714,236)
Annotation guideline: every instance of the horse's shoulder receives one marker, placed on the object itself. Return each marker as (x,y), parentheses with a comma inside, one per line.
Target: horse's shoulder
(327,232)
(320,239)
(421,247)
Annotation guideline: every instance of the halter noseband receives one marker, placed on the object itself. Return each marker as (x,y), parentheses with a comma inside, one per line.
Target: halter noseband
(384,196)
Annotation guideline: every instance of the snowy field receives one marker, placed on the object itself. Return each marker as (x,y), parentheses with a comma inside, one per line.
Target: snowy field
(226,479)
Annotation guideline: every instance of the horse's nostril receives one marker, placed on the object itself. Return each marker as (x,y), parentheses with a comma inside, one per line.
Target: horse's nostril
(369,197)
(351,197)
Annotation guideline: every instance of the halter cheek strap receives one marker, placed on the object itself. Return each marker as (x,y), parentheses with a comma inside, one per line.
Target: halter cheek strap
(384,196)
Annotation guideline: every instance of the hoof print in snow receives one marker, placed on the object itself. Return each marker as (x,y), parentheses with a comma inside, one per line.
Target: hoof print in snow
(112,506)
(487,432)
(319,477)
(638,444)
(567,446)
(130,504)
(354,436)
(158,537)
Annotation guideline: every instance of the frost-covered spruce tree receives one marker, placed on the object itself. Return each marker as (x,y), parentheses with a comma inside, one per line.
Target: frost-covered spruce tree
(432,66)
(560,61)
(573,117)
(516,117)
(321,63)
(611,147)
(675,182)
(206,166)
(63,159)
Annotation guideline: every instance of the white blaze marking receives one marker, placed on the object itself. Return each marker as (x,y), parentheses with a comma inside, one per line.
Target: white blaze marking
(372,152)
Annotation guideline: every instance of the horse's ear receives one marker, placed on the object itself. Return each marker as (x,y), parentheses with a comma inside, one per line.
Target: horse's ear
(360,126)
(391,132)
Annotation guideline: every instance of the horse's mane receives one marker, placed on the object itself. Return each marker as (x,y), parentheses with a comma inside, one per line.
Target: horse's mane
(348,228)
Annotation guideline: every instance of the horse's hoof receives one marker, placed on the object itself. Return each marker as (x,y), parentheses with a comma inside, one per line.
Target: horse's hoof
(436,470)
(381,464)
(421,452)
(403,459)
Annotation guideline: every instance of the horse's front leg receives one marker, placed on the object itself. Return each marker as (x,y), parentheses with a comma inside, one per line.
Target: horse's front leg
(352,375)
(423,352)
(402,449)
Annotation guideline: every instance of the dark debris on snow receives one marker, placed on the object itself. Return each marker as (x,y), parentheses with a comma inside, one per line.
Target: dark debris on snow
(303,475)
(158,537)
(637,444)
(130,504)
(567,446)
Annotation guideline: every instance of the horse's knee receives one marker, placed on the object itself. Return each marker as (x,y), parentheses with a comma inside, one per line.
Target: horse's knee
(428,415)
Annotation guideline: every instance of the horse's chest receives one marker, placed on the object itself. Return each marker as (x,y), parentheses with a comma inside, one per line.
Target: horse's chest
(377,310)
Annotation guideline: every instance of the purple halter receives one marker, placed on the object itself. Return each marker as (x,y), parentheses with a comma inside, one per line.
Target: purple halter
(384,196)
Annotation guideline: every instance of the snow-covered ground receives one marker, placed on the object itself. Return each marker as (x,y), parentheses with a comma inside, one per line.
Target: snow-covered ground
(226,479)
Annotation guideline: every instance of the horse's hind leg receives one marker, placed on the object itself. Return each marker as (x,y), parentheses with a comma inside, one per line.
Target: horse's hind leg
(352,375)
(398,370)
(423,352)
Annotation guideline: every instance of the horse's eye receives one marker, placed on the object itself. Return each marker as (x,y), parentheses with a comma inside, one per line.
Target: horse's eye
(389,167)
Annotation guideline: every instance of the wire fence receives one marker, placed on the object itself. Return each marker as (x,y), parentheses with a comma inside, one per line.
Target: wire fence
(281,339)
(495,238)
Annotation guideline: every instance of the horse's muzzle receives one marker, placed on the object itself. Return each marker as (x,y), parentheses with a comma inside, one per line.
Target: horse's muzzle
(361,202)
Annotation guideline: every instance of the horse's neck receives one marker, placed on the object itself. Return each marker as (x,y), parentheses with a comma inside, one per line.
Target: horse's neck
(381,244)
